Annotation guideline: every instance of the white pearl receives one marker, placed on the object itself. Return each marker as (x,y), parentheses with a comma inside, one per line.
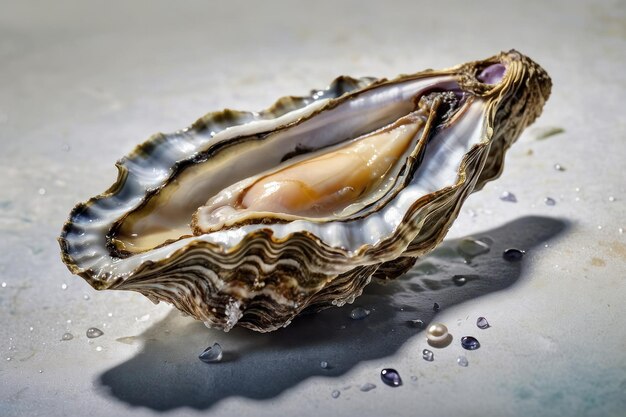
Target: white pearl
(437,333)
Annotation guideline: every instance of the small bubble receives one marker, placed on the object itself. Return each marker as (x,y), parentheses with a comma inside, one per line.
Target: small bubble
(335,394)
(85,297)
(110,314)
(212,354)
(67,336)
(66,147)
(413,378)
(4,285)
(41,371)
(98,348)
(428,355)
(577,189)
(436,307)
(459,280)
(31,328)
(599,227)
(94,332)
(549,201)
(559,167)
(64,286)
(69,321)
(324,365)
(462,361)
(8,358)
(42,191)
(620,230)
(611,198)
(359,313)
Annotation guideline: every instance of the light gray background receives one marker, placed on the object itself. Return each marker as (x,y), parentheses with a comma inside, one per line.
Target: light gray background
(81,83)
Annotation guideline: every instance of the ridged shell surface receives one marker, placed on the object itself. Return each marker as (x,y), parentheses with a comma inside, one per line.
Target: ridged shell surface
(263,270)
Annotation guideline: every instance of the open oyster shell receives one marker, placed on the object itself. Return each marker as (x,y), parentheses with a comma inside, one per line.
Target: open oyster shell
(190,220)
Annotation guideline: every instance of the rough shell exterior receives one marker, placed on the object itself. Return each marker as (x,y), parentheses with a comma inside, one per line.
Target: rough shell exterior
(263,281)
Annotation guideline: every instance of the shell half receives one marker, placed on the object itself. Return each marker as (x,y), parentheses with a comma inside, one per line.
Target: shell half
(250,218)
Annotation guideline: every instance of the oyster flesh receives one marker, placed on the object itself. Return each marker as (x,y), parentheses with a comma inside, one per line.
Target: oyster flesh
(250,218)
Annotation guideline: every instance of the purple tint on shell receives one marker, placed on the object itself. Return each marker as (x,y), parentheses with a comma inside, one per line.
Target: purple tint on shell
(492,74)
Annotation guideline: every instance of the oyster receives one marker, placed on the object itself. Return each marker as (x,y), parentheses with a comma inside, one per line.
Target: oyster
(252,218)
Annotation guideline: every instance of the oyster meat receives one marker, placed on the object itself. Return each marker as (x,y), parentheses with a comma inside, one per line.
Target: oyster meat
(250,218)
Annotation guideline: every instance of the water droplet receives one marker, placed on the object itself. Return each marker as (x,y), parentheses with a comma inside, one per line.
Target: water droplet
(212,354)
(611,198)
(64,286)
(367,387)
(471,248)
(4,285)
(469,343)
(94,332)
(42,191)
(428,355)
(482,323)
(359,313)
(324,365)
(436,307)
(86,297)
(549,201)
(462,361)
(437,334)
(98,348)
(335,394)
(67,336)
(559,167)
(391,377)
(508,197)
(513,255)
(417,323)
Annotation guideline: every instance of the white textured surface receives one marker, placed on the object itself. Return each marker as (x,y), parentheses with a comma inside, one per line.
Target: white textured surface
(82,82)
